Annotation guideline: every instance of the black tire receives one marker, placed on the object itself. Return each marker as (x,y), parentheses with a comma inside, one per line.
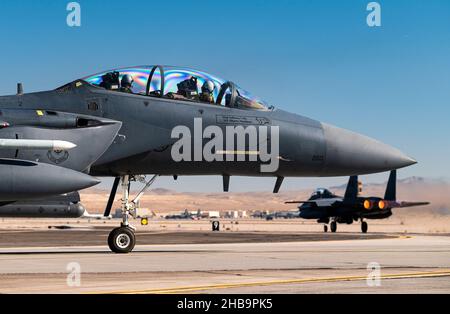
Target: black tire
(122,240)
(325,228)
(364,227)
(333,226)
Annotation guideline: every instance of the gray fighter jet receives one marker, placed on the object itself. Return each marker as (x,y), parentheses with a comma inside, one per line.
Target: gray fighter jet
(325,206)
(130,122)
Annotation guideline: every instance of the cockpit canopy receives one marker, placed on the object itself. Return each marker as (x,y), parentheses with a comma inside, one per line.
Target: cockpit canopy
(321,193)
(178,83)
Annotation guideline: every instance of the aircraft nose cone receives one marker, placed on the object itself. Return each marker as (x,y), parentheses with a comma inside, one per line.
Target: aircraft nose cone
(351,153)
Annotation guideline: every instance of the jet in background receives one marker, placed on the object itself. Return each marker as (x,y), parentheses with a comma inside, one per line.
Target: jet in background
(186,215)
(287,214)
(325,206)
(119,123)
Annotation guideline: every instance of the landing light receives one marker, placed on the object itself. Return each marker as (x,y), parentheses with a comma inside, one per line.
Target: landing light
(381,204)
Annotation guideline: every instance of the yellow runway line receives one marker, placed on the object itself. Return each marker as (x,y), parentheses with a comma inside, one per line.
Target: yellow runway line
(176,290)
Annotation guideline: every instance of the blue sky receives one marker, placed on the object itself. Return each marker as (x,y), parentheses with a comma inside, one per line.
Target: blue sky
(316,58)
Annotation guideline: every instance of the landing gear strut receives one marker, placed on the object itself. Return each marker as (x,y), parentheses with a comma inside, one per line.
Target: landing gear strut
(123,239)
(325,228)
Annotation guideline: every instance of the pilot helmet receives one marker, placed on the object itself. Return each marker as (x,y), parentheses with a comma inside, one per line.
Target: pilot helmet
(127,81)
(319,191)
(208,87)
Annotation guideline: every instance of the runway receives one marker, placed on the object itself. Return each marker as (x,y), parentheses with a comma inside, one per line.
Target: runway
(300,263)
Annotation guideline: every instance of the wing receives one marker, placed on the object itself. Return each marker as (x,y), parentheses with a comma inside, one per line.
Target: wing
(323,202)
(300,202)
(411,204)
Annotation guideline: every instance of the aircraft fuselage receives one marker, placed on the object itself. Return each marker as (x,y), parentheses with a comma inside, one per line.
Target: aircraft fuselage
(144,143)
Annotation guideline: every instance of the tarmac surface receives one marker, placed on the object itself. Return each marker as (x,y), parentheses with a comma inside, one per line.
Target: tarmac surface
(47,261)
(99,235)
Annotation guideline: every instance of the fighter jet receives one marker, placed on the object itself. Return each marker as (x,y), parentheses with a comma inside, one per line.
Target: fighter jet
(324,206)
(165,121)
(186,215)
(286,214)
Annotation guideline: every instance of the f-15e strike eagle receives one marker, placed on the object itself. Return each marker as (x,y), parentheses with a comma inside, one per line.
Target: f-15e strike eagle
(161,121)
(325,206)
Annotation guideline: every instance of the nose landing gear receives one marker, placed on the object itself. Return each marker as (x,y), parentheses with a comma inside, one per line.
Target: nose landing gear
(123,239)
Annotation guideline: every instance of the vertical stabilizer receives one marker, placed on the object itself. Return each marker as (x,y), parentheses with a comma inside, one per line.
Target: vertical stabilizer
(391,193)
(352,188)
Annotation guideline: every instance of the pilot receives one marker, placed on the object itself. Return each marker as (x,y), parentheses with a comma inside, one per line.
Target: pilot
(207,92)
(126,84)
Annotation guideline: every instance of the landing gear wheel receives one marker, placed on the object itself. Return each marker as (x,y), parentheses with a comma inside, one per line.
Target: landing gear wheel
(364,227)
(325,228)
(333,226)
(122,240)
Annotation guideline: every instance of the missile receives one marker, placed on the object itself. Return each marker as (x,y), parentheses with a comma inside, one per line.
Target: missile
(25,180)
(54,145)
